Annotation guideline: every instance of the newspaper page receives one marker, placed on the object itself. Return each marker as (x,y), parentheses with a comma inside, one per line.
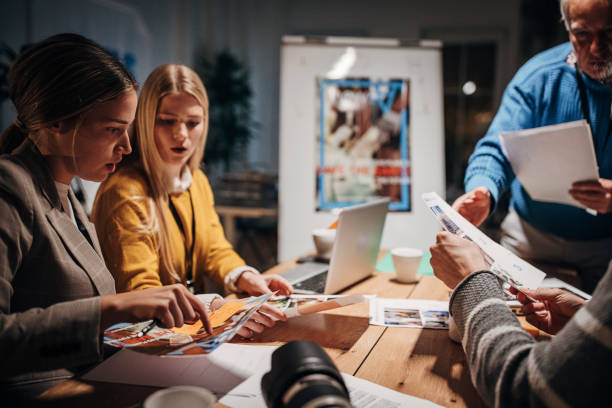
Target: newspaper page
(190,338)
(507,266)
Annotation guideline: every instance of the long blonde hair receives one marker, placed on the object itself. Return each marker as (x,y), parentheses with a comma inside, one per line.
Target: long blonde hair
(164,80)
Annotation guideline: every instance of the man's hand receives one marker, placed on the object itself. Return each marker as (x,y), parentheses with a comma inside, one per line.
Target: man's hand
(171,305)
(552,309)
(453,258)
(594,194)
(474,206)
(255,284)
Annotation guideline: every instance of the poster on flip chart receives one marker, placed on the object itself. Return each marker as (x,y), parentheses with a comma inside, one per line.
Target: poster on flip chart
(362,142)
(503,263)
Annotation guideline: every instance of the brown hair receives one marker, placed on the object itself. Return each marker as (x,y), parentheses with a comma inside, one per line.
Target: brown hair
(59,79)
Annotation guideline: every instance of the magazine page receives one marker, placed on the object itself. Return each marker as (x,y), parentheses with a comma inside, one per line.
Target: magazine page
(188,339)
(507,266)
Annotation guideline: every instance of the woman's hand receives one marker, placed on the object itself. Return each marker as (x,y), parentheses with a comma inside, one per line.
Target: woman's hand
(255,284)
(551,310)
(265,316)
(453,258)
(474,206)
(171,306)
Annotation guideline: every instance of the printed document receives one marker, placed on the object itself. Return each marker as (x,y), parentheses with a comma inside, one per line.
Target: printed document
(363,394)
(548,159)
(503,263)
(218,372)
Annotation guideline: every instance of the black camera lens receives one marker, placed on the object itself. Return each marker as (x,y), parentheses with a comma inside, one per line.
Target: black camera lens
(303,375)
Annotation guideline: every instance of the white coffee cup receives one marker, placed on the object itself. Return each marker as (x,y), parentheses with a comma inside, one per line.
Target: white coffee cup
(406,262)
(324,241)
(187,396)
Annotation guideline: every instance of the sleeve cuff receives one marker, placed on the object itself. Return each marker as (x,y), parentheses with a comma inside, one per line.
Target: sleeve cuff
(232,277)
(465,282)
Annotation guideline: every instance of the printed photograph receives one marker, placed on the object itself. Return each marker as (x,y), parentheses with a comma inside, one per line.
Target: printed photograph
(403,317)
(435,319)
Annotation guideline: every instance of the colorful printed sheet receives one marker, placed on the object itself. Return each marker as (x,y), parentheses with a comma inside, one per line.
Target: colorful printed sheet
(429,314)
(189,339)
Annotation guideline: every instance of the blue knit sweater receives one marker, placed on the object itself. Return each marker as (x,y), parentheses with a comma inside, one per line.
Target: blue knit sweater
(545,92)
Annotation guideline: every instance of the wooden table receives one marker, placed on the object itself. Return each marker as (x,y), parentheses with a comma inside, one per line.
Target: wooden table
(421,362)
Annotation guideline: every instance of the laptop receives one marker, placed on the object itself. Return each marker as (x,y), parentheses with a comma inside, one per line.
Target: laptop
(354,255)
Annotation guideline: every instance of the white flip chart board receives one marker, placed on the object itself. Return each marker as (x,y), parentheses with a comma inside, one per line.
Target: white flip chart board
(393,145)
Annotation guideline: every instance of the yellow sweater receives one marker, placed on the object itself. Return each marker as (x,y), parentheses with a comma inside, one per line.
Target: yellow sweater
(122,205)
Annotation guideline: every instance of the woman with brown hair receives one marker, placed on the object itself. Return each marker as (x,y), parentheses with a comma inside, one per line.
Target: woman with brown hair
(74,103)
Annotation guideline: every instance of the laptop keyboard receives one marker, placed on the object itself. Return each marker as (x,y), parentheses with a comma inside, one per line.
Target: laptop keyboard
(315,283)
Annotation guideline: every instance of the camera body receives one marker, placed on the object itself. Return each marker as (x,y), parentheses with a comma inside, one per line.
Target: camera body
(303,375)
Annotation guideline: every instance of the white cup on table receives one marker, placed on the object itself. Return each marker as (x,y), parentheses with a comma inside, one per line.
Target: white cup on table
(187,396)
(324,241)
(406,262)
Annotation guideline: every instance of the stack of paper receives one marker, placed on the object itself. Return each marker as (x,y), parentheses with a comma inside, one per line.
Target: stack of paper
(548,159)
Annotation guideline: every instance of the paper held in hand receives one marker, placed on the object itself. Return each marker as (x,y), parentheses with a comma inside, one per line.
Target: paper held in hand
(507,266)
(549,159)
(299,305)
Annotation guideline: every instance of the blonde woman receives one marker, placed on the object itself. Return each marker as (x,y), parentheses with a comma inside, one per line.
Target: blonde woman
(155,217)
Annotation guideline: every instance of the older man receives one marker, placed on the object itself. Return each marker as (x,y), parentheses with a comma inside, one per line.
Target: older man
(569,82)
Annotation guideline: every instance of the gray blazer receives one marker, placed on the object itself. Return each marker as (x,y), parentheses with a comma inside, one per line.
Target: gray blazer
(50,277)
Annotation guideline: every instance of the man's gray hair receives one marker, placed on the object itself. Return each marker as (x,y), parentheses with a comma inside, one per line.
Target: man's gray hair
(564,6)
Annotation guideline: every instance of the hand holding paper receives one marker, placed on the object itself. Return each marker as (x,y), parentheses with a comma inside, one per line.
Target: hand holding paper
(503,263)
(552,308)
(549,159)
(453,258)
(594,194)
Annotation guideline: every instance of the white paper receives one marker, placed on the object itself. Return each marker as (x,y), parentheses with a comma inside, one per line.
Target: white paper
(229,365)
(363,394)
(548,159)
(431,314)
(503,263)
(551,282)
(298,305)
